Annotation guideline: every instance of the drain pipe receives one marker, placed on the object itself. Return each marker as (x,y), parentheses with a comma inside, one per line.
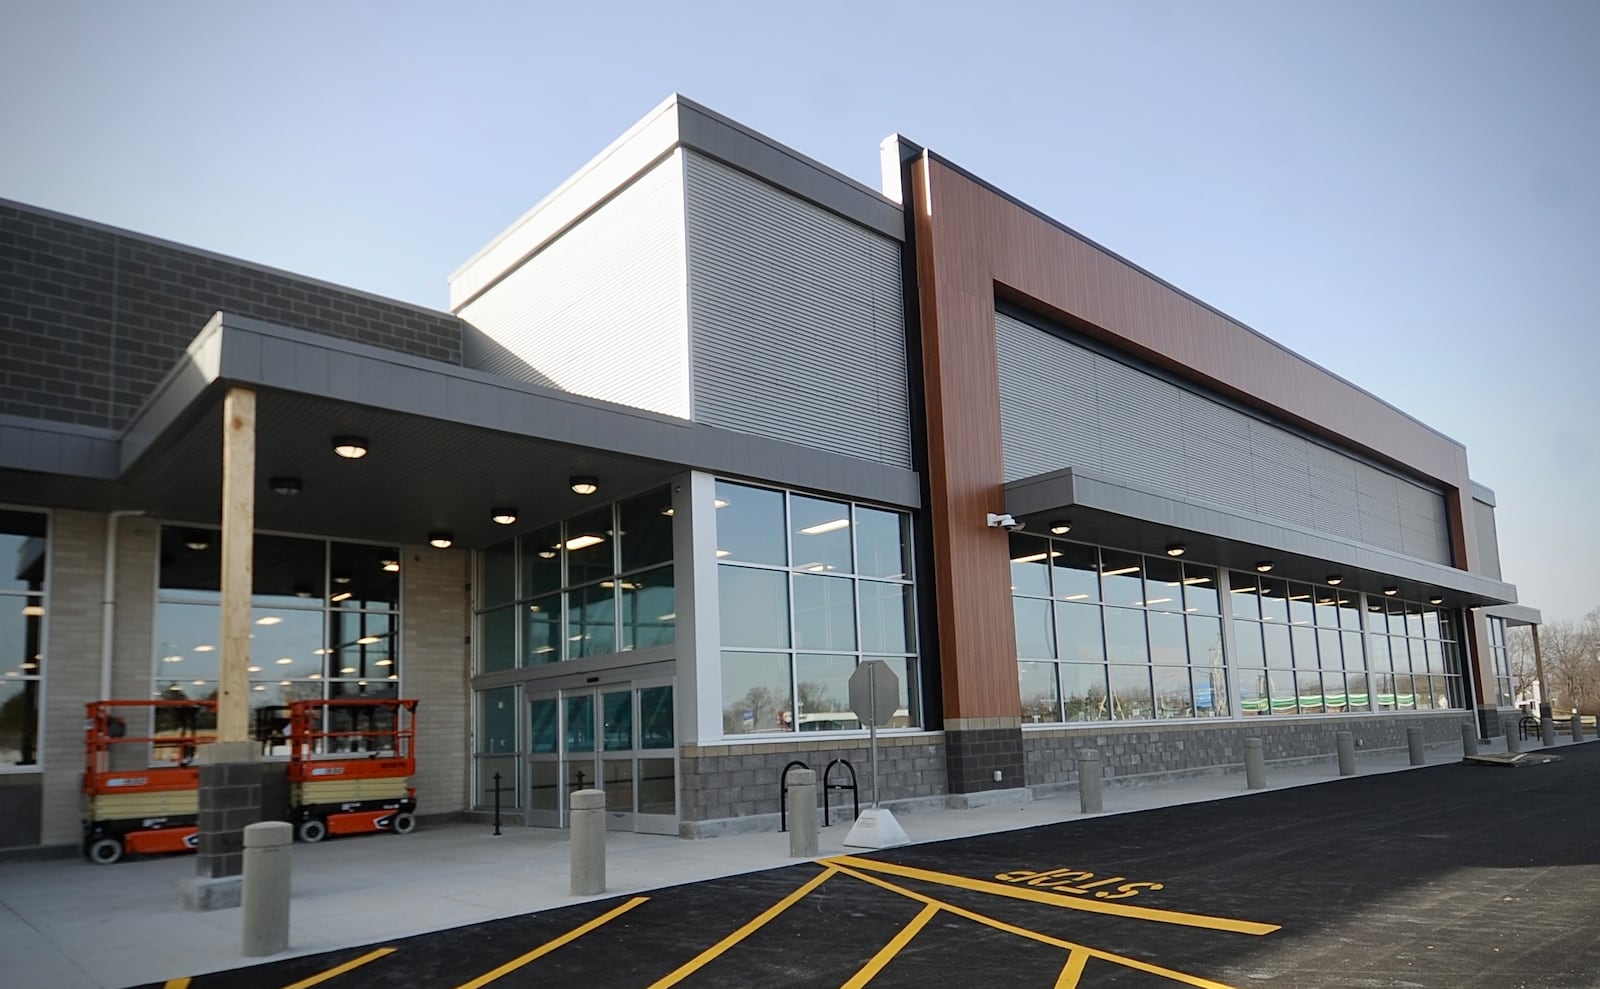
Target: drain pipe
(108,598)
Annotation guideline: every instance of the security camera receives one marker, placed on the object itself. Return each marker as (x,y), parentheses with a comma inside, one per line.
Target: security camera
(1004,522)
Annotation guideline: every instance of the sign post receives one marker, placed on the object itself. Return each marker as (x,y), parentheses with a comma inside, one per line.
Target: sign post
(874,698)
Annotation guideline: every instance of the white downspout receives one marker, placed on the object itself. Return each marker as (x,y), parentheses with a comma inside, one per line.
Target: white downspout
(108,599)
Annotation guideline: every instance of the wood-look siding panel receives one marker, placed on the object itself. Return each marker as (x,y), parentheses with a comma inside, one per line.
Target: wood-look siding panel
(1042,266)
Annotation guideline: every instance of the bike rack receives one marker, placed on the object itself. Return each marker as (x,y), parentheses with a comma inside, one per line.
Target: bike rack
(783,793)
(855,795)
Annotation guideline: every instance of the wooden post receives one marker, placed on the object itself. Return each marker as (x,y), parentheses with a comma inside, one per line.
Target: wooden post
(238,526)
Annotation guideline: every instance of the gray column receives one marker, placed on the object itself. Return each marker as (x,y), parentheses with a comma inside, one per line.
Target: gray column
(802,813)
(1469,740)
(588,842)
(266,887)
(1419,755)
(1345,742)
(1255,765)
(1089,779)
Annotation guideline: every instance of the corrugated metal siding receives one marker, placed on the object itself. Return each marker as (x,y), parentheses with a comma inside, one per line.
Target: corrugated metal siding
(797,319)
(1063,405)
(1488,539)
(600,310)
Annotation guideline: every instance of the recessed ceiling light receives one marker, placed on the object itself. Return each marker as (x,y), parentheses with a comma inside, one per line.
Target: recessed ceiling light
(1334,580)
(1060,527)
(1391,591)
(285,486)
(350,447)
(547,554)
(391,566)
(1177,549)
(1265,566)
(504,515)
(197,540)
(1436,599)
(584,484)
(832,525)
(441,540)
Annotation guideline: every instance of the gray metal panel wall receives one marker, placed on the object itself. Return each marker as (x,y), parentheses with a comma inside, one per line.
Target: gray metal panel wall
(1488,538)
(1065,405)
(599,310)
(797,323)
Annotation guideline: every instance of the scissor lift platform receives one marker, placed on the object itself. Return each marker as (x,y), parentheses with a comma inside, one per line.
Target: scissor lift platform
(138,800)
(350,763)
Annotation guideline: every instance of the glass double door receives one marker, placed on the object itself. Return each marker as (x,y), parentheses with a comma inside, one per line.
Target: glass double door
(616,738)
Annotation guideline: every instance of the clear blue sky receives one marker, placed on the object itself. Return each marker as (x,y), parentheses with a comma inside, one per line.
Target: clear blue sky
(1405,193)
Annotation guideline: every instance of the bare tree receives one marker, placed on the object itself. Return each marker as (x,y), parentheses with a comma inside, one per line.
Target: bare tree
(1571,666)
(1524,667)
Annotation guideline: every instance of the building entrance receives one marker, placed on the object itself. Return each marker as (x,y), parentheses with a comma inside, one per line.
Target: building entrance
(618,738)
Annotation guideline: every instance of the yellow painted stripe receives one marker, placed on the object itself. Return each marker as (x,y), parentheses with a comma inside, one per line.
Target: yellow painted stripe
(1056,899)
(891,949)
(1073,971)
(182,983)
(339,970)
(549,946)
(1000,925)
(699,961)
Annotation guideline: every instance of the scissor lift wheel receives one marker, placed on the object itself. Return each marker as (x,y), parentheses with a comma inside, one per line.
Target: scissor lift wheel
(312,831)
(404,824)
(105,851)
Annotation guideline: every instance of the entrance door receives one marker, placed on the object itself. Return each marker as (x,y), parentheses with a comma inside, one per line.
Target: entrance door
(616,738)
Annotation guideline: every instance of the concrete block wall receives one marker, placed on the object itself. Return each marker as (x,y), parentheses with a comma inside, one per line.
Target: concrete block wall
(435,615)
(92,317)
(735,787)
(71,666)
(1051,754)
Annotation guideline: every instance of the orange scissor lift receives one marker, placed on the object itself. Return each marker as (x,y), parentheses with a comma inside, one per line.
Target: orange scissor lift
(349,767)
(153,806)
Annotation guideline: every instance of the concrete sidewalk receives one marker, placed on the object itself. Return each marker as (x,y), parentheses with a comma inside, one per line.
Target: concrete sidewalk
(67,924)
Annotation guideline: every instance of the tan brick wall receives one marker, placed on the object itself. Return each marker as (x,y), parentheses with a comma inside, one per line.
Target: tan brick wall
(134,634)
(72,664)
(435,615)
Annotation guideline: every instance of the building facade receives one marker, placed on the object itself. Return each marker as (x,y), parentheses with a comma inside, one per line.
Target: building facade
(704,430)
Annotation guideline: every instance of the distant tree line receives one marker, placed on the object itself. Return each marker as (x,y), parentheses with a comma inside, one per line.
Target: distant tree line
(1571,653)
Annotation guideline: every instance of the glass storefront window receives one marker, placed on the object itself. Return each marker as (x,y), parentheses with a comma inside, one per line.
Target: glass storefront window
(646,538)
(754,606)
(819,532)
(883,548)
(1121,578)
(756,694)
(824,612)
(540,551)
(750,527)
(1075,572)
(591,546)
(1040,701)
(886,616)
(649,609)
(824,692)
(1030,565)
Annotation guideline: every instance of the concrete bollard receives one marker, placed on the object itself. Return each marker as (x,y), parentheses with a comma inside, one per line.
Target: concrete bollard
(1089,778)
(588,842)
(1345,742)
(265,893)
(1255,765)
(1469,740)
(1513,735)
(1577,727)
(802,812)
(1547,730)
(1419,756)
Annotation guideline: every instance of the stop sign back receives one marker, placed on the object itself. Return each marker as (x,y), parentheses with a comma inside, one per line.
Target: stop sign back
(874,693)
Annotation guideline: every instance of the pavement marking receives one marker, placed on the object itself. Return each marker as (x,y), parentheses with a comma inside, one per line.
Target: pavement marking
(551,945)
(338,970)
(705,957)
(1073,970)
(182,983)
(888,951)
(1070,946)
(1055,899)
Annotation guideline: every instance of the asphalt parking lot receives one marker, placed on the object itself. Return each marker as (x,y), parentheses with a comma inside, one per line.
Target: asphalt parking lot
(1452,876)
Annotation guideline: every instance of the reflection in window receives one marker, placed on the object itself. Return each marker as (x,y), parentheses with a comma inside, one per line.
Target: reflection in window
(798,624)
(23,547)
